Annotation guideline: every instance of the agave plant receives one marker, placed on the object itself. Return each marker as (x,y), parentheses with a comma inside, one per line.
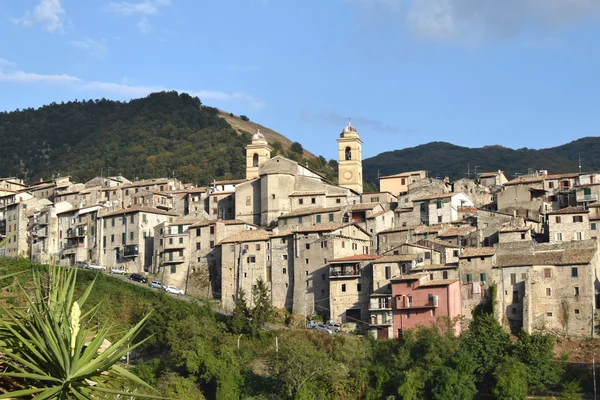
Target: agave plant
(50,351)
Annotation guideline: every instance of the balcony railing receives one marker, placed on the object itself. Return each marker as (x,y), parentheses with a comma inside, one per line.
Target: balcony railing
(131,250)
(404,302)
(387,305)
(587,197)
(173,260)
(74,245)
(344,272)
(174,245)
(41,232)
(77,232)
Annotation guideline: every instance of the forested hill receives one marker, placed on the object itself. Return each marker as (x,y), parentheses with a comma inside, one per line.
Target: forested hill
(157,136)
(444,159)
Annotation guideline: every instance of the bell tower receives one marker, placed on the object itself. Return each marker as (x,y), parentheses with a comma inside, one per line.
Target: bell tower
(257,152)
(350,159)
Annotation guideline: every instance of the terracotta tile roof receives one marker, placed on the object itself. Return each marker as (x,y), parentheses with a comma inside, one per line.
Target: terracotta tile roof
(458,231)
(401,174)
(409,277)
(569,210)
(443,243)
(468,209)
(435,196)
(363,206)
(228,182)
(404,209)
(135,209)
(310,211)
(235,222)
(525,180)
(391,258)
(596,218)
(220,193)
(489,174)
(398,229)
(436,267)
(560,176)
(308,193)
(556,257)
(438,282)
(188,219)
(594,205)
(509,229)
(358,257)
(477,252)
(428,229)
(145,182)
(254,235)
(372,216)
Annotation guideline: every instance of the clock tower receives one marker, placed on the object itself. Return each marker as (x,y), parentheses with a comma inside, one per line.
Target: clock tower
(350,159)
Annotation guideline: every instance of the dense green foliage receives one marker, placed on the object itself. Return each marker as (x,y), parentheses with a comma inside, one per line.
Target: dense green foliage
(162,135)
(193,353)
(442,159)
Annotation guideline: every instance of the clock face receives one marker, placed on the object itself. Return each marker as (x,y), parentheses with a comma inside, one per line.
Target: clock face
(347,175)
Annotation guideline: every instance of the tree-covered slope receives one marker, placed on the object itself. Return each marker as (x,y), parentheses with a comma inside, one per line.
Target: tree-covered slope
(444,159)
(163,134)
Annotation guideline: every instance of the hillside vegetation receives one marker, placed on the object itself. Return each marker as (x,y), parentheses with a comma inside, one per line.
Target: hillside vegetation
(443,159)
(164,134)
(193,354)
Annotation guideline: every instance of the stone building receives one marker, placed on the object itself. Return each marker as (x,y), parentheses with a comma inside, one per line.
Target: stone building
(43,227)
(398,184)
(477,274)
(568,224)
(350,159)
(510,234)
(78,234)
(442,208)
(16,217)
(127,237)
(221,205)
(491,179)
(526,195)
(479,193)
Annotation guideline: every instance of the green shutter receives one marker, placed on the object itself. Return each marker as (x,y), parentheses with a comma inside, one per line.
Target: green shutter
(123,238)
(469,278)
(483,277)
(318,218)
(330,217)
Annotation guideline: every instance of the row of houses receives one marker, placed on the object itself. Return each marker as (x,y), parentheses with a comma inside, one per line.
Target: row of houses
(418,249)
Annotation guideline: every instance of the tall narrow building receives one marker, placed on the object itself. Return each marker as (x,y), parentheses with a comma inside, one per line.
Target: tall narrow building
(257,152)
(350,159)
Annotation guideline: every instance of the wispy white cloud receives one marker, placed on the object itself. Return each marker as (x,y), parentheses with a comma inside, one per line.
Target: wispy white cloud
(8,74)
(334,118)
(6,63)
(143,9)
(480,20)
(49,14)
(95,48)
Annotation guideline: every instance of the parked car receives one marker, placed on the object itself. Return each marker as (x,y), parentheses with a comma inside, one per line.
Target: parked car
(80,264)
(323,328)
(156,285)
(334,327)
(138,278)
(173,290)
(96,267)
(118,271)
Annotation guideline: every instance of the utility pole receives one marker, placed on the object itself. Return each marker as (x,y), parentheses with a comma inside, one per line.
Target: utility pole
(468,171)
(580,159)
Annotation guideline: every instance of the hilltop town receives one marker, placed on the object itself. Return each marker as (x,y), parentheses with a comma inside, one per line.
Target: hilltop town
(418,249)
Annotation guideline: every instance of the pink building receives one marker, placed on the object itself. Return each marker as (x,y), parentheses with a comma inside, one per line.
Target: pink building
(420,301)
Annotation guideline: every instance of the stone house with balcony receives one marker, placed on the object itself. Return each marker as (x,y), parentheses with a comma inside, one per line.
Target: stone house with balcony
(448,252)
(195,200)
(221,205)
(127,237)
(205,257)
(568,224)
(587,194)
(350,283)
(16,222)
(480,194)
(477,274)
(561,189)
(78,234)
(441,208)
(43,228)
(528,196)
(464,235)
(148,198)
(172,252)
(12,184)
(424,255)
(548,287)
(417,300)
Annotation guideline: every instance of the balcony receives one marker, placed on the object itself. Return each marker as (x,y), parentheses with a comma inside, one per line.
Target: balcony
(344,272)
(77,232)
(173,259)
(131,251)
(587,197)
(74,245)
(406,302)
(174,246)
(42,219)
(40,232)
(381,320)
(382,304)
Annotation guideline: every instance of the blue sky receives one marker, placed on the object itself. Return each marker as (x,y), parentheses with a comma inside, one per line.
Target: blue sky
(519,73)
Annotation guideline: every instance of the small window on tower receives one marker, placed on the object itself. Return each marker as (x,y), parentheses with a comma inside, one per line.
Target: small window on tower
(348,153)
(255,160)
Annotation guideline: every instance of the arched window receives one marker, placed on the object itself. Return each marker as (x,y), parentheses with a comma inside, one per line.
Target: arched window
(348,153)
(255,160)
(284,271)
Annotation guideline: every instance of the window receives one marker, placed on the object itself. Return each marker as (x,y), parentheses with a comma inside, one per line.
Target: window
(558,236)
(112,222)
(173,268)
(548,291)
(483,277)
(574,272)
(469,278)
(438,204)
(455,253)
(557,219)
(284,257)
(515,296)
(547,273)
(257,246)
(593,226)
(578,236)
(272,196)
(131,237)
(123,238)
(104,241)
(306,261)
(348,153)
(358,287)
(284,271)
(198,232)
(338,201)
(514,310)
(199,246)
(331,217)
(251,259)
(300,201)
(576,311)
(299,220)
(343,287)
(439,219)
(444,274)
(318,218)
(124,220)
(306,273)
(307,245)
(131,218)
(248,200)
(513,279)
(431,276)
(307,283)
(212,230)
(428,256)
(577,218)
(548,314)
(170,240)
(313,201)
(576,290)
(212,244)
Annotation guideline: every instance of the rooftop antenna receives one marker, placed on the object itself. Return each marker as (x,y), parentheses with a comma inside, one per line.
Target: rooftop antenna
(580,159)
(477,166)
(468,171)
